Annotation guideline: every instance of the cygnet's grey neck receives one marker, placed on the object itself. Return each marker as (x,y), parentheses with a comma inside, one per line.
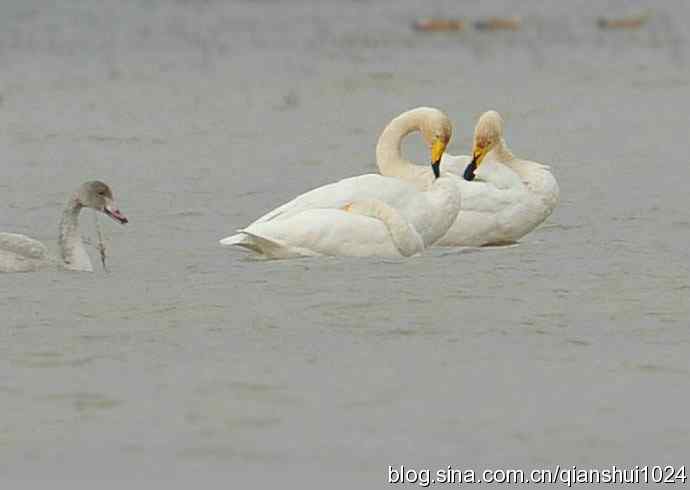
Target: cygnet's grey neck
(72,249)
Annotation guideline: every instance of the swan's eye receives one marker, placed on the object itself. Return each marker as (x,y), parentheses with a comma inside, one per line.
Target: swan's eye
(101,193)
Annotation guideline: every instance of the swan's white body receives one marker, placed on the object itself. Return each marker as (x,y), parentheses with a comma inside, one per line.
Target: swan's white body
(388,218)
(19,253)
(508,198)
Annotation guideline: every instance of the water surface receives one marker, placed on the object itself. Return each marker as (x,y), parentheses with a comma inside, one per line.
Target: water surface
(189,361)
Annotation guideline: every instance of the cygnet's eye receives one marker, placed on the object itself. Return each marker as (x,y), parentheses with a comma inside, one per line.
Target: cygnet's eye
(101,193)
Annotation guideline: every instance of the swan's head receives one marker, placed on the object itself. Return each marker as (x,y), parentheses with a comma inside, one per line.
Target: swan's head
(97,195)
(487,134)
(436,130)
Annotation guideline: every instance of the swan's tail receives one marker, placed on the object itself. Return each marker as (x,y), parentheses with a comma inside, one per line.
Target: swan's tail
(261,246)
(236,239)
(255,243)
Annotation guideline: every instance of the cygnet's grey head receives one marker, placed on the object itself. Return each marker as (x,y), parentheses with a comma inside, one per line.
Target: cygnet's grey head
(97,195)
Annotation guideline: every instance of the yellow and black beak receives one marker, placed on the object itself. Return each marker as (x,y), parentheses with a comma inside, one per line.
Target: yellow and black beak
(437,149)
(477,157)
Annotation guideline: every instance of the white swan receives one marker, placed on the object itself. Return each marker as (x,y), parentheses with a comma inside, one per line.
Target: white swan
(503,198)
(19,253)
(316,223)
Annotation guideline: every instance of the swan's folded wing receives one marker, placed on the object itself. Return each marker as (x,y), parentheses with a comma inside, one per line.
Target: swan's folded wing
(322,232)
(337,194)
(485,197)
(543,183)
(23,246)
(324,196)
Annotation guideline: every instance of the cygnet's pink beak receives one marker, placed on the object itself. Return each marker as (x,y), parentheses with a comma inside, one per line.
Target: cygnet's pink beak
(112,211)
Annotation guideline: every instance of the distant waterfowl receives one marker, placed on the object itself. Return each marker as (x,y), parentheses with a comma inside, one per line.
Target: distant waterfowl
(499,23)
(19,253)
(438,25)
(368,214)
(630,22)
(503,198)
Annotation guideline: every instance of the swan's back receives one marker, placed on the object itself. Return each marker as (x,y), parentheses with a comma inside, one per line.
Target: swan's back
(19,253)
(543,184)
(22,245)
(368,186)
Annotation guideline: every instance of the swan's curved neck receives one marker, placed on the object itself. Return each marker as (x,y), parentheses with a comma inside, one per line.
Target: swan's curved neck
(404,237)
(445,199)
(530,173)
(72,248)
(503,153)
(388,149)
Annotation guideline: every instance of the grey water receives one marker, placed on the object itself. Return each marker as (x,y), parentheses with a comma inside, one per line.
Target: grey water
(188,361)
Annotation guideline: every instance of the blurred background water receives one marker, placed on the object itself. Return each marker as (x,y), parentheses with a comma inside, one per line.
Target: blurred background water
(190,361)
